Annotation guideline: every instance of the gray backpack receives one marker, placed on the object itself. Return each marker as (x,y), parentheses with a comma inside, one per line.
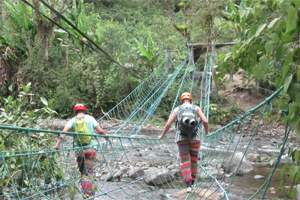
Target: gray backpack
(187,120)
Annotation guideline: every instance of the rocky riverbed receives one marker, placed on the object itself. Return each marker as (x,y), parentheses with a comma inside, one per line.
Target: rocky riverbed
(264,147)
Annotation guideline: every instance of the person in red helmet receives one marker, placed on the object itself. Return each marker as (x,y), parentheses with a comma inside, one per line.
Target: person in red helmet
(188,146)
(85,157)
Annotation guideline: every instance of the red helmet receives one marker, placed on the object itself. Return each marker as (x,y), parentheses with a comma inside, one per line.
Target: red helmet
(79,106)
(186,95)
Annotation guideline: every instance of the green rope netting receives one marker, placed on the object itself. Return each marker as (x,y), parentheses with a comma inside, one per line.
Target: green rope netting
(134,164)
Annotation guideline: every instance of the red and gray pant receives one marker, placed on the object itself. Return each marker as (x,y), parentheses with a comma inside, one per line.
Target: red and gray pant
(188,153)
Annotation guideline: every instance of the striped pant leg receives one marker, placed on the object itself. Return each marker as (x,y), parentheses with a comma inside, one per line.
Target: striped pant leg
(80,161)
(90,155)
(185,164)
(85,161)
(194,150)
(86,164)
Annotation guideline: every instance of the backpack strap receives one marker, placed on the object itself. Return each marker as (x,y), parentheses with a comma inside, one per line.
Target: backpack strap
(179,114)
(194,109)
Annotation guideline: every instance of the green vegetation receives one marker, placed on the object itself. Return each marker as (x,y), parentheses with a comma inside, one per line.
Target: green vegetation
(63,64)
(267,46)
(67,67)
(220,112)
(20,112)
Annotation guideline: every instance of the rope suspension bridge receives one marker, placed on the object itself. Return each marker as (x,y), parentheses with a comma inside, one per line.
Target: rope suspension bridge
(135,164)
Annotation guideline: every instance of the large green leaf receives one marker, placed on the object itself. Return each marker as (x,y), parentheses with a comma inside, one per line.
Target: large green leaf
(226,15)
(260,29)
(283,171)
(287,82)
(257,71)
(297,156)
(44,101)
(286,68)
(26,89)
(81,25)
(292,192)
(297,4)
(273,22)
(232,7)
(99,40)
(295,121)
(275,37)
(15,13)
(24,13)
(288,36)
(293,171)
(293,90)
(264,63)
(150,47)
(142,49)
(292,19)
(269,47)
(281,25)
(284,6)
(298,134)
(287,64)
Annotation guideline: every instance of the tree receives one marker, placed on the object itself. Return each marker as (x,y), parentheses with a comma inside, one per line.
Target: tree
(268,47)
(194,20)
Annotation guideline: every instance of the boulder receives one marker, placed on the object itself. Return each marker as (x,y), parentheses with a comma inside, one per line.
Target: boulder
(157,176)
(254,157)
(238,160)
(135,172)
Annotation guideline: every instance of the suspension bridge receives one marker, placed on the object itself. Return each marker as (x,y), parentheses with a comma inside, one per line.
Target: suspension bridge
(136,165)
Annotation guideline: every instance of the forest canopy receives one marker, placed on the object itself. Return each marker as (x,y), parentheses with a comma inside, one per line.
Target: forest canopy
(123,42)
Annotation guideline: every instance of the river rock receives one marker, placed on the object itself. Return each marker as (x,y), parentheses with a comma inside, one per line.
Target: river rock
(254,157)
(238,161)
(135,172)
(107,177)
(118,174)
(176,172)
(158,176)
(257,177)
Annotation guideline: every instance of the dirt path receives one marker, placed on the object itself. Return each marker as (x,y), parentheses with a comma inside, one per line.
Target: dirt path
(235,91)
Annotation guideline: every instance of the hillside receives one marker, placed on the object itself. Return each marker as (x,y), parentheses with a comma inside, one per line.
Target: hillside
(245,98)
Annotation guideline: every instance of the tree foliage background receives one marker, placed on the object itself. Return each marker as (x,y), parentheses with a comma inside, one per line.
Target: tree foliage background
(68,68)
(267,47)
(62,65)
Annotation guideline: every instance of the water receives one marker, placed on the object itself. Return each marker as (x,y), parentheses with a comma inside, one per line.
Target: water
(245,186)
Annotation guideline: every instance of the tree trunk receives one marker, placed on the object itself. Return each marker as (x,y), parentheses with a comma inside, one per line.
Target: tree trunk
(44,26)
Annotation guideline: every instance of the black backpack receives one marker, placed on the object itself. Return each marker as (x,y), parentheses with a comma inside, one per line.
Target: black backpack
(187,120)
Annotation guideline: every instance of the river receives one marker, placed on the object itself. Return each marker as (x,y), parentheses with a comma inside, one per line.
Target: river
(245,186)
